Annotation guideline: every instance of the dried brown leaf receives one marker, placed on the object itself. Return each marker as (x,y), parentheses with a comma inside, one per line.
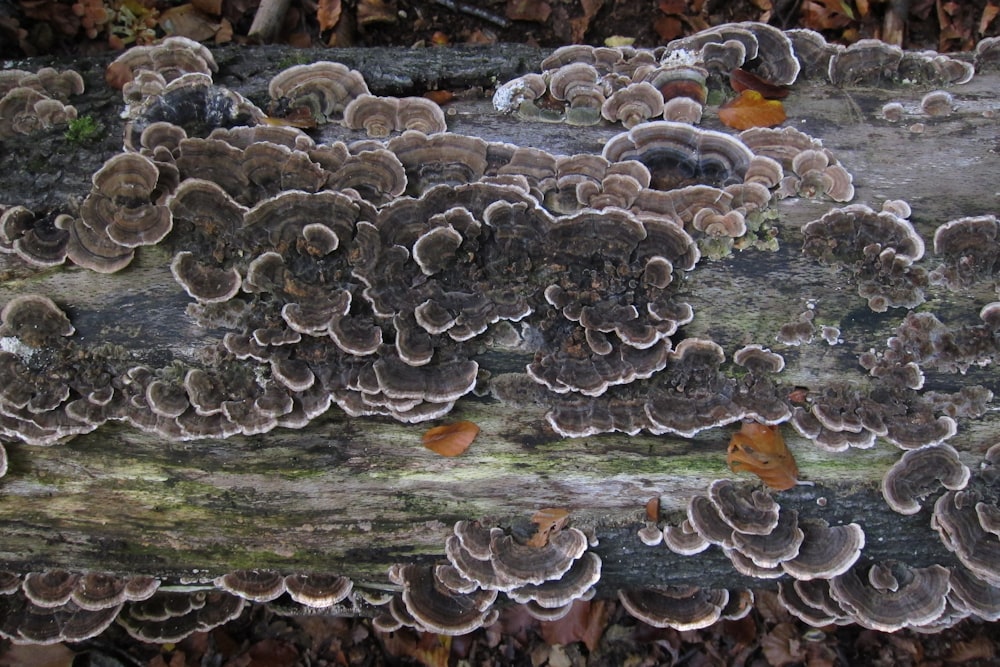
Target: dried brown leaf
(741,80)
(977,648)
(450,439)
(989,13)
(547,521)
(328,14)
(187,21)
(210,7)
(528,10)
(668,28)
(782,645)
(585,623)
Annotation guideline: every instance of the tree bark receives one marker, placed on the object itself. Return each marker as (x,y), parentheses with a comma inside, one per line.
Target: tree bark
(354,495)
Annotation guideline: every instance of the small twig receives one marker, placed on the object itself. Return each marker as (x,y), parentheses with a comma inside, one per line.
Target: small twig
(268,19)
(463,8)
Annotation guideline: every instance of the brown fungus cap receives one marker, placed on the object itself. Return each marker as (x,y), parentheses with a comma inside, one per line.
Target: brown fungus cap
(98,590)
(918,474)
(866,62)
(676,152)
(633,104)
(121,202)
(34,319)
(318,590)
(807,612)
(420,114)
(40,241)
(958,523)
(970,249)
(26,623)
(825,551)
(745,509)
(535,565)
(52,588)
(572,585)
(918,599)
(434,608)
(780,544)
(681,608)
(253,585)
(972,595)
(323,87)
(206,283)
(684,540)
(375,115)
(170,616)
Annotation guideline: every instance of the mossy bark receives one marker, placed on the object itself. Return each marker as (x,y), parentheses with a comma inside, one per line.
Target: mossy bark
(351,496)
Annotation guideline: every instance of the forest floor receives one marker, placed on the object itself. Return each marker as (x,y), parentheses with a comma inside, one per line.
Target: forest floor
(595,633)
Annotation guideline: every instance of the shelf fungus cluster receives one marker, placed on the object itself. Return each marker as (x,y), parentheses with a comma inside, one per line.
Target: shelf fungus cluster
(544,565)
(583,85)
(370,275)
(822,577)
(32,101)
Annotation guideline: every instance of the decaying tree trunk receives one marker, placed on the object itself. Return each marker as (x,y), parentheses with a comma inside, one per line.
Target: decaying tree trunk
(354,495)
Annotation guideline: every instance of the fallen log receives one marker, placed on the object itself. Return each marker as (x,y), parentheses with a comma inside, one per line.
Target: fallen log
(353,495)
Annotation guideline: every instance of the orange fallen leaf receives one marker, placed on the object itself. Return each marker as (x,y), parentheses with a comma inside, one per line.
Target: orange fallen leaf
(450,439)
(653,509)
(750,109)
(328,14)
(548,521)
(760,449)
(439,97)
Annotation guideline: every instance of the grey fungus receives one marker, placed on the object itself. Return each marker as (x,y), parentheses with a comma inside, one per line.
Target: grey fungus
(918,474)
(879,246)
(34,101)
(170,616)
(121,203)
(759,360)
(35,320)
(893,112)
(682,110)
(970,250)
(381,116)
(675,152)
(253,585)
(319,591)
(324,88)
(971,595)
(432,608)
(958,520)
(908,597)
(51,588)
(681,608)
(867,61)
(633,104)
(747,511)
(684,540)
(826,551)
(207,284)
(937,103)
(172,58)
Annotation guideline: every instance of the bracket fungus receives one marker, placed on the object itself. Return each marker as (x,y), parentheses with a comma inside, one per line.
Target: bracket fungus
(396,276)
(917,474)
(34,101)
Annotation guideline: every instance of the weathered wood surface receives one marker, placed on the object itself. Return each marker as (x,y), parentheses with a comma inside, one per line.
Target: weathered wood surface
(354,495)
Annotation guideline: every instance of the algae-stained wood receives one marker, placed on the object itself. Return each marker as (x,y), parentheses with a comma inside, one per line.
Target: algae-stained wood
(353,495)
